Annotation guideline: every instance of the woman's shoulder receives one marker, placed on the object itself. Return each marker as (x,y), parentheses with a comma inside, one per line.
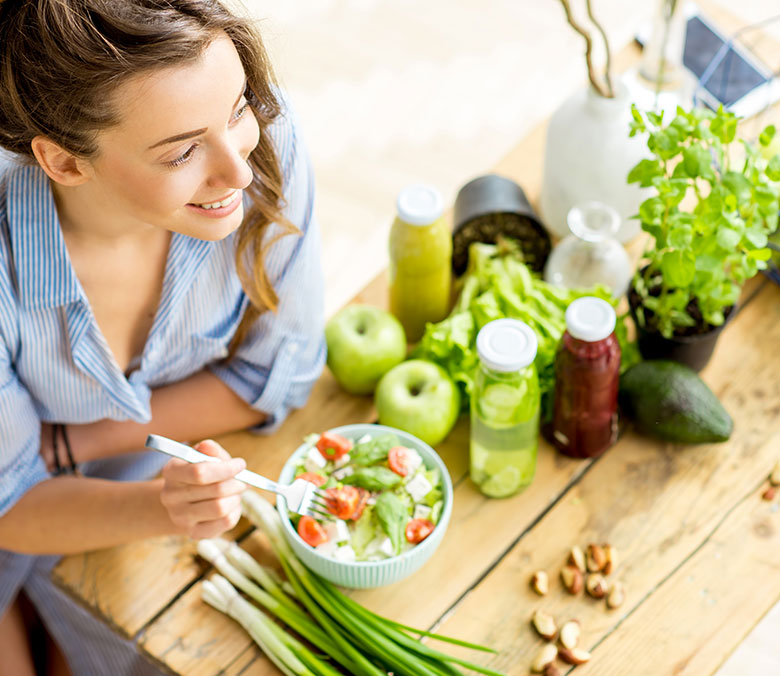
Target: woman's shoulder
(18,175)
(8,299)
(22,184)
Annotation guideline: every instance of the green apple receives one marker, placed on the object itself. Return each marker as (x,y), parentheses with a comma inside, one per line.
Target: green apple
(364,342)
(420,398)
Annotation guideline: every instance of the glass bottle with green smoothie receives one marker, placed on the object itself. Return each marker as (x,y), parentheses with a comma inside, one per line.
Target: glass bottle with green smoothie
(505,409)
(420,260)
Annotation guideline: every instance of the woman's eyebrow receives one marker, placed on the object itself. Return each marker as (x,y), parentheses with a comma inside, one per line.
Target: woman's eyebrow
(196,132)
(179,137)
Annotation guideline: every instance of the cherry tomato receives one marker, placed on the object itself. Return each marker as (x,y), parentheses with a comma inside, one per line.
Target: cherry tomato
(342,502)
(333,446)
(312,478)
(311,532)
(400,458)
(361,505)
(418,529)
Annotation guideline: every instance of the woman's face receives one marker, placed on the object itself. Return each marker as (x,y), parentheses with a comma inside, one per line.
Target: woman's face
(177,160)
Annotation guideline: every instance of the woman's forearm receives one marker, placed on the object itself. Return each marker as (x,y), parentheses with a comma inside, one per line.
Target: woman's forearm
(67,515)
(199,407)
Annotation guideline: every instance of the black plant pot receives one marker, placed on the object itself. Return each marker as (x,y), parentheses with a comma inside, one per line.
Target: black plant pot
(694,350)
(490,206)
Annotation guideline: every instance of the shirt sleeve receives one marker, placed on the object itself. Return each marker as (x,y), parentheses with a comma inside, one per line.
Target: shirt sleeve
(281,358)
(21,465)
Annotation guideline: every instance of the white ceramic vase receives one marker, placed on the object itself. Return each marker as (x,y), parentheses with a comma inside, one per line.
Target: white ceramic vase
(588,156)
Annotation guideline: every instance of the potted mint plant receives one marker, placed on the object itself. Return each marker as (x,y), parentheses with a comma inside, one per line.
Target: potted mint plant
(716,202)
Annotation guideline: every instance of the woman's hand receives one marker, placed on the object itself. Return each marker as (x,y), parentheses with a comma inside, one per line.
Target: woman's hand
(203,500)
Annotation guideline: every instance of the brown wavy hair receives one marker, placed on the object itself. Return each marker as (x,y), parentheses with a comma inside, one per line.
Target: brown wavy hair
(61,59)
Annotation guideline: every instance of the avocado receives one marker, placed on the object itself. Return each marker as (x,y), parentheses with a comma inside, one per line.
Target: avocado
(668,400)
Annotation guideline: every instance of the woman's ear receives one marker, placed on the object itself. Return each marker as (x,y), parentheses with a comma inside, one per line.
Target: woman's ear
(60,165)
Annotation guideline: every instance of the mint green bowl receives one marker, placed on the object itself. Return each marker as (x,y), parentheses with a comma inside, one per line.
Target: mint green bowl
(368,574)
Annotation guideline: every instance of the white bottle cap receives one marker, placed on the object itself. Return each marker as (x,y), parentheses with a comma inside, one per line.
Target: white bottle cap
(419,204)
(506,345)
(590,319)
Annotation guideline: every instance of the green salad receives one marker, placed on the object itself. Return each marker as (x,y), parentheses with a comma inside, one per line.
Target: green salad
(382,498)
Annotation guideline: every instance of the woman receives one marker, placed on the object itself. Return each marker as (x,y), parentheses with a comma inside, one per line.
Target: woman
(159,272)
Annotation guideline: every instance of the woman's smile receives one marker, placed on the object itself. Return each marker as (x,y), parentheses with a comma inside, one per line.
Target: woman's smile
(220,208)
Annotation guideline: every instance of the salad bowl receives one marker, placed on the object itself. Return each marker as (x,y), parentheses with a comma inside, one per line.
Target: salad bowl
(373,573)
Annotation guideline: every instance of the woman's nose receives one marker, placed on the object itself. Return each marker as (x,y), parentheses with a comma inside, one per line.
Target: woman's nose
(230,168)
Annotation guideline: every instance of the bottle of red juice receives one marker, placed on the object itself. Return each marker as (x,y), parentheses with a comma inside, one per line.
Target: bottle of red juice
(587,367)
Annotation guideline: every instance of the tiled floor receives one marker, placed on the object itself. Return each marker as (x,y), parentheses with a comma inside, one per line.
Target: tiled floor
(398,91)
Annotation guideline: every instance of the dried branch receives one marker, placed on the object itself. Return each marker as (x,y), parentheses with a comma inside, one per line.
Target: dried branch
(600,28)
(588,49)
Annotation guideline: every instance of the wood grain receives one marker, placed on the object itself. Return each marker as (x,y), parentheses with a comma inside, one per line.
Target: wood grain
(704,609)
(127,586)
(197,639)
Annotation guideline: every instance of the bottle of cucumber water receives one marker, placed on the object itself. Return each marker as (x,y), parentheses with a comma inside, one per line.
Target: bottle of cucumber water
(505,409)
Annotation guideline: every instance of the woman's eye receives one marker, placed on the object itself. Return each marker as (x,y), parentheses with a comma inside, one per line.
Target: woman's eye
(184,157)
(240,111)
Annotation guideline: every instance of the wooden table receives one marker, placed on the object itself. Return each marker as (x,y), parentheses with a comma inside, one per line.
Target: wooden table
(698,546)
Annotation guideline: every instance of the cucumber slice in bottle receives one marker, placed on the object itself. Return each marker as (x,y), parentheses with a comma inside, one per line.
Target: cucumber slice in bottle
(500,404)
(503,484)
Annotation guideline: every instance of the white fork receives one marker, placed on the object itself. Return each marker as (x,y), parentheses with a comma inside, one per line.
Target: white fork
(302,497)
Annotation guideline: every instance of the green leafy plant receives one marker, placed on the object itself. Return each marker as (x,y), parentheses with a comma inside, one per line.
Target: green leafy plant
(706,246)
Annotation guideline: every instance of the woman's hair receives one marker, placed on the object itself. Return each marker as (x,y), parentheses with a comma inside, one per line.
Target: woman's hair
(60,60)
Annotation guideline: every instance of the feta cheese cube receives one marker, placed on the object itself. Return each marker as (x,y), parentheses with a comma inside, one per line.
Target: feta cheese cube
(371,500)
(343,460)
(418,487)
(337,531)
(344,553)
(339,474)
(314,460)
(422,512)
(380,547)
(327,549)
(414,460)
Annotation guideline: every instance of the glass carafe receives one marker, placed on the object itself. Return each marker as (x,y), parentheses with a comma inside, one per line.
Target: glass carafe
(590,255)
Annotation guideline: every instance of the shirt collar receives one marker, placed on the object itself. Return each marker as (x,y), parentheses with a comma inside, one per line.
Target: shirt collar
(45,275)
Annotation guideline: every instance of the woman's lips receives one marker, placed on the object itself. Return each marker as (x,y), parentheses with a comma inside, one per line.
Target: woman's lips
(219,212)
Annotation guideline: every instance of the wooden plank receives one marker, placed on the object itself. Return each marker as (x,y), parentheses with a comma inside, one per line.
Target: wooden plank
(199,640)
(656,502)
(705,608)
(120,585)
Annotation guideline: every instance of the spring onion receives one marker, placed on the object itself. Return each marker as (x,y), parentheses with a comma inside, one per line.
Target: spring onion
(286,652)
(362,642)
(283,607)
